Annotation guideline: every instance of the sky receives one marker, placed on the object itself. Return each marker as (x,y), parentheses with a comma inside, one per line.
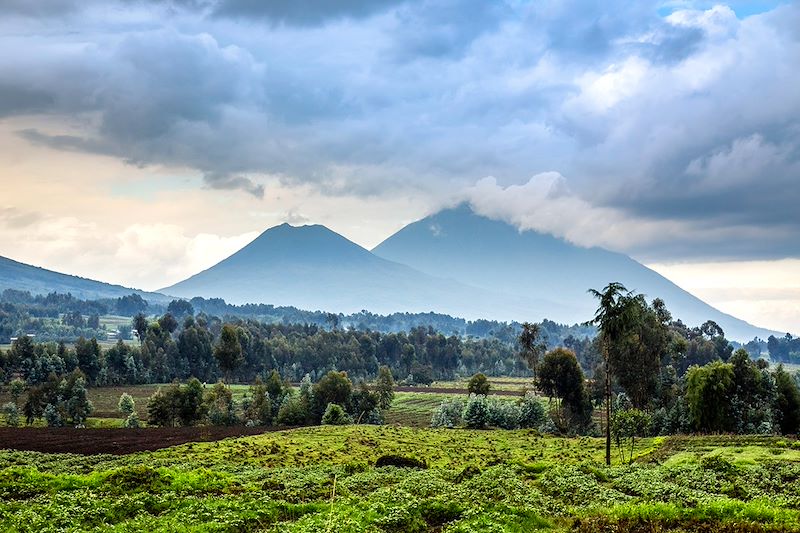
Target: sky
(142,141)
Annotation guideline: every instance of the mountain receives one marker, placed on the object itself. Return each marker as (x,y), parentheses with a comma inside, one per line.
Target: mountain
(312,267)
(463,246)
(36,280)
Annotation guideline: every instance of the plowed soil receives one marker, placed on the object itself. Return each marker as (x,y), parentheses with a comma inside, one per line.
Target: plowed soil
(114,441)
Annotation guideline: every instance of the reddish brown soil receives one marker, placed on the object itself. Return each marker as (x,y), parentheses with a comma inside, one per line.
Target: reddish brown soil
(114,441)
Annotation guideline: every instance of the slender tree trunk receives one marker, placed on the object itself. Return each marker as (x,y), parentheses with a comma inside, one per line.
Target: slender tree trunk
(608,410)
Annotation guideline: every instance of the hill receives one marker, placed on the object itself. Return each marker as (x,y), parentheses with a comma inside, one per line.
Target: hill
(495,256)
(312,267)
(37,280)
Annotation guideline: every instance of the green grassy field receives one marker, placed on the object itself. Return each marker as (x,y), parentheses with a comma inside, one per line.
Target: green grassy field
(412,409)
(326,479)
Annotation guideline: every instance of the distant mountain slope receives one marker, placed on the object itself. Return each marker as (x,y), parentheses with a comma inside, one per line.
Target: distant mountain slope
(36,280)
(312,267)
(475,250)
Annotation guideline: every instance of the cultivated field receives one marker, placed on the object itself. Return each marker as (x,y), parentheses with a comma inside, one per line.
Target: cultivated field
(413,406)
(326,479)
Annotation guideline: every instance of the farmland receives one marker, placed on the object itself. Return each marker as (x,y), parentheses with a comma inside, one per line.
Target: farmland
(412,406)
(326,479)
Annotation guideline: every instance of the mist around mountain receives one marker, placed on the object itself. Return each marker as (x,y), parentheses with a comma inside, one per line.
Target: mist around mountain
(463,246)
(36,280)
(312,267)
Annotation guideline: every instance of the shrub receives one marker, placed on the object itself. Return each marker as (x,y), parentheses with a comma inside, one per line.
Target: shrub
(335,415)
(132,421)
(448,414)
(221,408)
(53,416)
(400,461)
(11,412)
(126,405)
(531,412)
(476,412)
(292,412)
(478,384)
(136,478)
(502,414)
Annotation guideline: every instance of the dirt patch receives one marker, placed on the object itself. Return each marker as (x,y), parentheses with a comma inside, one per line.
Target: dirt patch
(117,441)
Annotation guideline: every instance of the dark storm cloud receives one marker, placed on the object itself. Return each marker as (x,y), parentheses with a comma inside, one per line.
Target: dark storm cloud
(691,118)
(38,8)
(16,100)
(301,12)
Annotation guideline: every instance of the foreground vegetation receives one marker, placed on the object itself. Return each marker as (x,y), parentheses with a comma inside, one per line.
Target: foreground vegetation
(372,478)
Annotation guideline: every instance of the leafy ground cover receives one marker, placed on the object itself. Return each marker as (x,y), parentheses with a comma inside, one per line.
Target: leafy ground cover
(326,479)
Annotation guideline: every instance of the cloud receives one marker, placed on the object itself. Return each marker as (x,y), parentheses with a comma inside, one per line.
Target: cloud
(301,12)
(296,218)
(651,115)
(223,181)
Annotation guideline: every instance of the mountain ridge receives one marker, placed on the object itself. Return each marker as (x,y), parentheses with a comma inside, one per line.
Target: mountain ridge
(496,256)
(37,280)
(313,267)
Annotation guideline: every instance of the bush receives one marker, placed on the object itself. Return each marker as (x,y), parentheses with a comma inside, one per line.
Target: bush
(478,384)
(531,412)
(335,416)
(221,408)
(11,412)
(448,414)
(126,405)
(502,414)
(400,461)
(53,416)
(476,412)
(292,412)
(132,421)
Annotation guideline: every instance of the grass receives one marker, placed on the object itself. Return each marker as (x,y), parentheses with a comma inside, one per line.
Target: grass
(324,479)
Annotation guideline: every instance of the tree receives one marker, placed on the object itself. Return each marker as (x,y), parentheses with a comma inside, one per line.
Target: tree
(93,321)
(168,323)
(16,388)
(364,402)
(162,407)
(611,321)
(334,387)
(478,384)
(709,390)
(292,411)
(192,406)
(260,409)
(627,424)
(220,405)
(476,412)
(228,351)
(636,355)
(89,354)
(139,325)
(78,405)
(11,412)
(531,411)
(130,305)
(531,346)
(422,374)
(561,376)
(333,320)
(787,402)
(335,416)
(384,388)
(126,405)
(180,309)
